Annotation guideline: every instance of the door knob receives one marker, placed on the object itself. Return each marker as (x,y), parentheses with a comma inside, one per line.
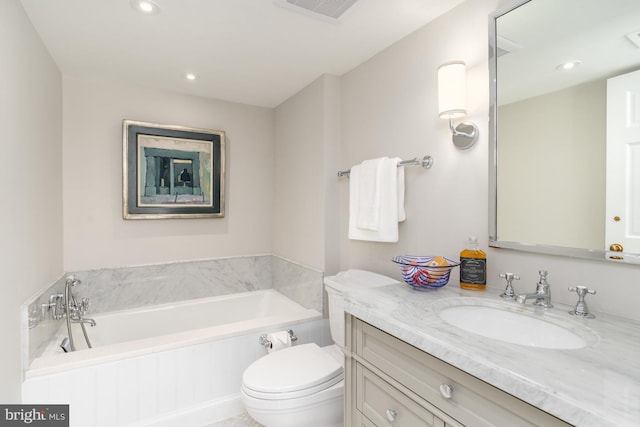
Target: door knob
(616,247)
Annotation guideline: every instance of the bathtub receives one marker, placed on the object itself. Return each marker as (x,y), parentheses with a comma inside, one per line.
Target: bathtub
(179,362)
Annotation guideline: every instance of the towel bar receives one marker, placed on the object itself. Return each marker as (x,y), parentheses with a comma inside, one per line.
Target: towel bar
(426,162)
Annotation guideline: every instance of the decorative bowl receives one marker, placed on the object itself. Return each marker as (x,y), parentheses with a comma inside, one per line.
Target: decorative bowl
(425,272)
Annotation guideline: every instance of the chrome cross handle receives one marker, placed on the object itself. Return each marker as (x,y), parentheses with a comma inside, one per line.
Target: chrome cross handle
(581,309)
(509,293)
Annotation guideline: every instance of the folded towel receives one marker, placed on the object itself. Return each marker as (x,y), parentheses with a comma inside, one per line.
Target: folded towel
(402,215)
(369,194)
(376,200)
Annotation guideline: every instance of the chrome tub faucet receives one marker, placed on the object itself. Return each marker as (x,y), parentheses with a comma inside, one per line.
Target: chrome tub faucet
(64,305)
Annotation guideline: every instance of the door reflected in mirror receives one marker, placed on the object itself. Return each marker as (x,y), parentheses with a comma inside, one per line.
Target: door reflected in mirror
(565,95)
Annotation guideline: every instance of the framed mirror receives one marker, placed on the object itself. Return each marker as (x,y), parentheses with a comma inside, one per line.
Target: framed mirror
(565,128)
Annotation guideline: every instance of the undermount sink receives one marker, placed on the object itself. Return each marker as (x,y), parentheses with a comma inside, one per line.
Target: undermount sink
(503,324)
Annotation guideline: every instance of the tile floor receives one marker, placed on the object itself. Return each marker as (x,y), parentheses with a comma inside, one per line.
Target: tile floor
(243,420)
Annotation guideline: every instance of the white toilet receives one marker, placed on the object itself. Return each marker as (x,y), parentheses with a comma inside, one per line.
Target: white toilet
(303,385)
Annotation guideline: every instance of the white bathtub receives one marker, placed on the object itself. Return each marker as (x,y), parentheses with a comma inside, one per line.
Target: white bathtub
(157,365)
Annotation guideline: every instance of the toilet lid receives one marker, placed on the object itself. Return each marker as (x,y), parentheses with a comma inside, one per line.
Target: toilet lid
(294,372)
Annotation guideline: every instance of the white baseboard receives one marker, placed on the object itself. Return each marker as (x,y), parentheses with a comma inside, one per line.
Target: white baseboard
(198,415)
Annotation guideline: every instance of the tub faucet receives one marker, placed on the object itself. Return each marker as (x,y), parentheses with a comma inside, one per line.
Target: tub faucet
(542,294)
(82,319)
(75,312)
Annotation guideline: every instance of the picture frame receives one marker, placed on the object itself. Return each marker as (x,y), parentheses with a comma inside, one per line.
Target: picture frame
(171,171)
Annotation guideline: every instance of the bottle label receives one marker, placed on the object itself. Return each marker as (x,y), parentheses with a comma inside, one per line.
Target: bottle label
(473,271)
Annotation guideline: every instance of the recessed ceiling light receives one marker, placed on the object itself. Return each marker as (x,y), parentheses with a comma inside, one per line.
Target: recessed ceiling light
(569,65)
(147,7)
(191,76)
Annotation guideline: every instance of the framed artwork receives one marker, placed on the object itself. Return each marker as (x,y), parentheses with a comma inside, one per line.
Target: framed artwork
(172,171)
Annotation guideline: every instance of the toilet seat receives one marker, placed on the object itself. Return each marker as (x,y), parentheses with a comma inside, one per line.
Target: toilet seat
(292,373)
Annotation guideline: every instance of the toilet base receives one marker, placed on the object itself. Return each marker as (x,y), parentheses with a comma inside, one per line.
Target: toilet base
(322,410)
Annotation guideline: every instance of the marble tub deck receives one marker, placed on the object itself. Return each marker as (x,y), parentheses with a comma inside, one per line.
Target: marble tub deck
(596,386)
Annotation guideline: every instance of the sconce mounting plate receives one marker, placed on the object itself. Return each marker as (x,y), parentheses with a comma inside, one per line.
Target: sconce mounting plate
(464,135)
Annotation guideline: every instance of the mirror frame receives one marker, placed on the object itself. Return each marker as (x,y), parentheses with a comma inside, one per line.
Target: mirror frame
(494,241)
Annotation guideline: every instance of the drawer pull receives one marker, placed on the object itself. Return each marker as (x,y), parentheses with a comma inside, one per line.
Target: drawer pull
(446,390)
(391,415)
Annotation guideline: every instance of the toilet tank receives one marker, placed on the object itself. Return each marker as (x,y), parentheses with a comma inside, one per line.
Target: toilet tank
(342,283)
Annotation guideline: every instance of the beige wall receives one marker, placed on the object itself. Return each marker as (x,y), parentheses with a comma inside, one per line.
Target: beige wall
(332,184)
(31,209)
(390,108)
(96,236)
(307,140)
(554,141)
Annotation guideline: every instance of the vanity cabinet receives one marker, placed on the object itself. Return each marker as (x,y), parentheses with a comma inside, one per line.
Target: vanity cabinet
(391,383)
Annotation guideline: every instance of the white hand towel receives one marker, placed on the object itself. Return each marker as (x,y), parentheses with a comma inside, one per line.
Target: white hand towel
(390,194)
(402,215)
(369,194)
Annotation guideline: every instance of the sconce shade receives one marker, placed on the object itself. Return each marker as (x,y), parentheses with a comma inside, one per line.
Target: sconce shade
(452,90)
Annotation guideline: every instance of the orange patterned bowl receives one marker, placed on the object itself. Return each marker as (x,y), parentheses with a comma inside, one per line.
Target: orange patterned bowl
(425,272)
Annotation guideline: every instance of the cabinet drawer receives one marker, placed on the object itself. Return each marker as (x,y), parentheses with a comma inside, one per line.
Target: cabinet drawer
(472,401)
(362,421)
(385,405)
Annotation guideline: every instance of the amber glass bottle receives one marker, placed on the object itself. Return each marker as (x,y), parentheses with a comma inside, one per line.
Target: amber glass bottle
(473,267)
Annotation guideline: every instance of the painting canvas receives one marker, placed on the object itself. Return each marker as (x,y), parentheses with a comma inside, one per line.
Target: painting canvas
(172,171)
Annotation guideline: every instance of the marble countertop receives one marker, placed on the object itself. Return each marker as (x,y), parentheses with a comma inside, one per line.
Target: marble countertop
(598,385)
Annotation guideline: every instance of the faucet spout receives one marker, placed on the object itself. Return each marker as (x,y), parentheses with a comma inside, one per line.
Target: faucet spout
(84,320)
(522,298)
(542,295)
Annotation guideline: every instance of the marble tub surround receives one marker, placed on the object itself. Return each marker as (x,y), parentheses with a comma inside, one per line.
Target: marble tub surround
(598,385)
(298,282)
(133,287)
(38,326)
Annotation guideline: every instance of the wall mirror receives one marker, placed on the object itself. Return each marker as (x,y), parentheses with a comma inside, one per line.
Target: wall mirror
(565,128)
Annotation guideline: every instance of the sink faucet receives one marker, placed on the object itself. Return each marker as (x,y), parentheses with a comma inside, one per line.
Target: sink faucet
(542,294)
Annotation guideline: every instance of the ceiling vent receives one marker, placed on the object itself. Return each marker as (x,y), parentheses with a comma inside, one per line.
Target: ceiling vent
(502,51)
(505,46)
(328,10)
(634,38)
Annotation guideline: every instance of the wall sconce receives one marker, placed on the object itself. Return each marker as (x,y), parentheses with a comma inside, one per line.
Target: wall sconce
(452,101)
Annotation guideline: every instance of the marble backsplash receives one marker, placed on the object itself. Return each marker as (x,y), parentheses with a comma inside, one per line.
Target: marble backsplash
(131,287)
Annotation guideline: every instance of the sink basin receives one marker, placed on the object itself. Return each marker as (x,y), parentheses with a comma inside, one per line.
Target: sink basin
(511,326)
